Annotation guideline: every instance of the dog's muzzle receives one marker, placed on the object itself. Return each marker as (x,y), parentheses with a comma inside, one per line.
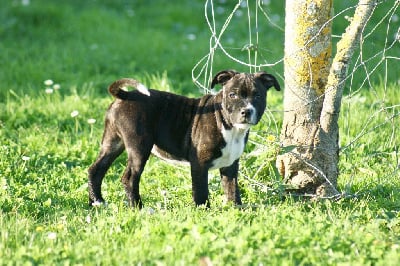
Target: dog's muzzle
(248,115)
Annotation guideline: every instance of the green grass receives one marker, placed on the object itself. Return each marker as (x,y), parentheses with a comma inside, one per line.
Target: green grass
(45,152)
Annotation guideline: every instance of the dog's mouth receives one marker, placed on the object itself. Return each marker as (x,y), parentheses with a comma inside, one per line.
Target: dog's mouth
(248,120)
(243,126)
(245,122)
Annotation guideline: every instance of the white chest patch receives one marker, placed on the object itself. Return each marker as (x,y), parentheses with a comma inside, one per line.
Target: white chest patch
(234,139)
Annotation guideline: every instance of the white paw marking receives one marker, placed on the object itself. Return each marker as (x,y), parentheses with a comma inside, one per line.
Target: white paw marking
(99,203)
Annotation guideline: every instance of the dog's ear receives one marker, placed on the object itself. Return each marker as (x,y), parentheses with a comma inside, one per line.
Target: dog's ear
(222,77)
(267,80)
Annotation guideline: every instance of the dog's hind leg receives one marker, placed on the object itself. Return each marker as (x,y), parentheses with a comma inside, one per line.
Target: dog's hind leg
(137,157)
(111,147)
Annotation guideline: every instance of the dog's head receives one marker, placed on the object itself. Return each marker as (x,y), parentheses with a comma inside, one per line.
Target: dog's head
(244,95)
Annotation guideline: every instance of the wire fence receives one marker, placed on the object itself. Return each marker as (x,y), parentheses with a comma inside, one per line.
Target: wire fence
(375,69)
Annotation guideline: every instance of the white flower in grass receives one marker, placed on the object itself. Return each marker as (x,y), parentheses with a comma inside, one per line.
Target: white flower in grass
(88,219)
(25,158)
(49,90)
(56,86)
(169,248)
(220,10)
(239,13)
(74,113)
(48,82)
(52,236)
(91,121)
(275,18)
(191,37)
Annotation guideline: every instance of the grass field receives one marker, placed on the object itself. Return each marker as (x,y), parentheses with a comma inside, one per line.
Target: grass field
(50,136)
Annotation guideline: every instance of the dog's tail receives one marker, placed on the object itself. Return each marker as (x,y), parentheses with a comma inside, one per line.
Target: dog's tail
(116,89)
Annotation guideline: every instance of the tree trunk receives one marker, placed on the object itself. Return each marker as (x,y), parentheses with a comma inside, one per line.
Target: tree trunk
(313,92)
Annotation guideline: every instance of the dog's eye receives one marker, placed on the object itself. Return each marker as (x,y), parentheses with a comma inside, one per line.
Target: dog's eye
(233,95)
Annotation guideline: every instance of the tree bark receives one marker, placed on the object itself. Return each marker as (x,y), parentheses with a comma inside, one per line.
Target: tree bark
(313,92)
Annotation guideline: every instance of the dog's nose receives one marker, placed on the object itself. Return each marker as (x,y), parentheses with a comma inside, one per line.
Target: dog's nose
(247,112)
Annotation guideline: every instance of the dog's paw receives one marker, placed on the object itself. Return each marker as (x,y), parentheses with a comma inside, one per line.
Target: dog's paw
(98,203)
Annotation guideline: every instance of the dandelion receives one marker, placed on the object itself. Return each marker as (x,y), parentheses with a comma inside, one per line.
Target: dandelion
(47,203)
(74,113)
(88,219)
(52,236)
(48,82)
(91,121)
(56,86)
(49,90)
(271,138)
(60,226)
(39,229)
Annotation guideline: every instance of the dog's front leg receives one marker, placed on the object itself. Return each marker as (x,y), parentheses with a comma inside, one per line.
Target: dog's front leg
(200,185)
(229,179)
